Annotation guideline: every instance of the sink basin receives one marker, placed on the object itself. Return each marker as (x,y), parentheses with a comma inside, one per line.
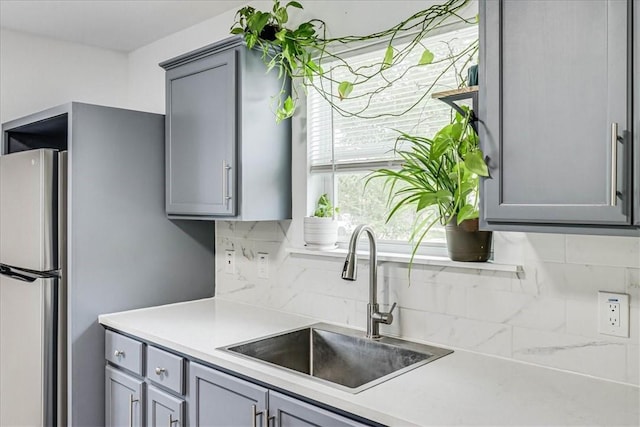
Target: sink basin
(340,357)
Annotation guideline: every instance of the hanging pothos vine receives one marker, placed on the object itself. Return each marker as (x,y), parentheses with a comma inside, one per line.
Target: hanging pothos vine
(300,53)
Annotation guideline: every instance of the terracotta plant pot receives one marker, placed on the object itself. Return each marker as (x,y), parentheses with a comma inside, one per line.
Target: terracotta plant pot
(320,233)
(466,243)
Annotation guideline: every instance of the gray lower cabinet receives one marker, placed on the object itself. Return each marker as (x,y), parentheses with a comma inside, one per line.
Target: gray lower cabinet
(285,411)
(226,157)
(164,409)
(555,107)
(212,398)
(220,400)
(124,399)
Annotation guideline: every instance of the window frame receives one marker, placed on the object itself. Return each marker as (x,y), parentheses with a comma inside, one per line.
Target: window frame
(322,179)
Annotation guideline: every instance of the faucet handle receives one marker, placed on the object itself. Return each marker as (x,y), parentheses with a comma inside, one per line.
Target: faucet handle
(385,318)
(393,307)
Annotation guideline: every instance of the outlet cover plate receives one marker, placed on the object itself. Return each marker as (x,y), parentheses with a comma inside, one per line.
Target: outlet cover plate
(613,314)
(229,262)
(263,265)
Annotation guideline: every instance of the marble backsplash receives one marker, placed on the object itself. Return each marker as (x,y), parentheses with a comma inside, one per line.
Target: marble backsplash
(546,315)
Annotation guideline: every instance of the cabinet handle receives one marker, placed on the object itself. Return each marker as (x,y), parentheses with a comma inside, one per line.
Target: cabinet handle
(225,181)
(118,353)
(131,402)
(172,421)
(269,419)
(254,415)
(614,163)
(160,371)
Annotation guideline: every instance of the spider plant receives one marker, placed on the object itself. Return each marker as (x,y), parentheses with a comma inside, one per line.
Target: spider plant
(440,173)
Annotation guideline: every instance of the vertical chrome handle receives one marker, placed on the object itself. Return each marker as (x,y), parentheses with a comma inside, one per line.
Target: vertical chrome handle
(131,402)
(269,418)
(254,415)
(172,421)
(614,164)
(225,181)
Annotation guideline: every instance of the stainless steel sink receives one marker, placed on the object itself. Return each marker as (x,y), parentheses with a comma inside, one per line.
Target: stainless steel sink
(340,357)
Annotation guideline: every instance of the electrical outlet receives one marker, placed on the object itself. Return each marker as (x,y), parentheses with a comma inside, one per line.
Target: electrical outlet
(263,265)
(613,314)
(229,262)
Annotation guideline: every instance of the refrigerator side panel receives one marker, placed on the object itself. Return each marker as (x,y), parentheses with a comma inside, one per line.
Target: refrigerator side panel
(28,210)
(27,377)
(123,251)
(62,290)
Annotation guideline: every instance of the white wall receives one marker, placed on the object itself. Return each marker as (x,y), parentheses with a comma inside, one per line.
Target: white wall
(38,73)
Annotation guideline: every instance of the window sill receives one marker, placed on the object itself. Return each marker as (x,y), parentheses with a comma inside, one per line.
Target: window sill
(404,259)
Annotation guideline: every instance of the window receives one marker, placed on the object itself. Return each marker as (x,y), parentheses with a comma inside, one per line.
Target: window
(343,150)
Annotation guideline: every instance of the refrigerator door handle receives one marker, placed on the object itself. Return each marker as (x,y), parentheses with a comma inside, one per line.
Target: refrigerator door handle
(24,275)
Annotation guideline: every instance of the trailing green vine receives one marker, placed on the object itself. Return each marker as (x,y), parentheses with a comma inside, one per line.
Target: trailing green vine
(303,52)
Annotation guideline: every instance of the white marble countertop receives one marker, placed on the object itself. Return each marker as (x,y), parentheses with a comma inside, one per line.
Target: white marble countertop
(462,388)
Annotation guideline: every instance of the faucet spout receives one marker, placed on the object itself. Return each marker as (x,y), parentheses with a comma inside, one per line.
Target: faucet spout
(349,272)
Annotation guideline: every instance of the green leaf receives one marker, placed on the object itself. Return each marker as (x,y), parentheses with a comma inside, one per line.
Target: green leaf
(344,89)
(251,39)
(474,162)
(289,105)
(467,212)
(388,58)
(282,16)
(427,199)
(294,4)
(438,147)
(427,57)
(281,35)
(256,22)
(237,30)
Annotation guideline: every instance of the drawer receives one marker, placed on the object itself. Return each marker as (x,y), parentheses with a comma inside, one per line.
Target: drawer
(124,352)
(165,369)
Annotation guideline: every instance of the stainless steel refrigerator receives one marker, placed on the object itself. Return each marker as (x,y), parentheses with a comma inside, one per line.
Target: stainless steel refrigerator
(103,245)
(32,288)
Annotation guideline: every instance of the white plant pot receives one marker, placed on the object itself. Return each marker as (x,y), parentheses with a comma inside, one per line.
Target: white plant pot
(320,233)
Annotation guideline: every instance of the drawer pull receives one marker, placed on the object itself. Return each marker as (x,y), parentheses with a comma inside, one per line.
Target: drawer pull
(118,353)
(160,371)
(172,421)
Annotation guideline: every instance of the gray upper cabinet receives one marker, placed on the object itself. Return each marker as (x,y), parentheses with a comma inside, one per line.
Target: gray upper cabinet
(555,107)
(226,156)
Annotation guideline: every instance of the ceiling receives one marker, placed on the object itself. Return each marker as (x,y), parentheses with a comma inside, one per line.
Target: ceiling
(122,25)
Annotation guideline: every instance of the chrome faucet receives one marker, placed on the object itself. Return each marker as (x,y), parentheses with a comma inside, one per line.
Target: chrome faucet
(349,272)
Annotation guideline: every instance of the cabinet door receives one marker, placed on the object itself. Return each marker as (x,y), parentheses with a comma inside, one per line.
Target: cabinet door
(124,399)
(220,400)
(201,136)
(163,409)
(285,411)
(554,83)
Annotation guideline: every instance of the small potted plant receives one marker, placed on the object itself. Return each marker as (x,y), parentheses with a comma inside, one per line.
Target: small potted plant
(442,173)
(289,50)
(321,229)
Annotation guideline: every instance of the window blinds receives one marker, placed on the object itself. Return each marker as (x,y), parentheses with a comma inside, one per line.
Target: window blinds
(352,143)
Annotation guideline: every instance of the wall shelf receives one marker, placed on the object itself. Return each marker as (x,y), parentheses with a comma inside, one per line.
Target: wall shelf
(426,260)
(450,97)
